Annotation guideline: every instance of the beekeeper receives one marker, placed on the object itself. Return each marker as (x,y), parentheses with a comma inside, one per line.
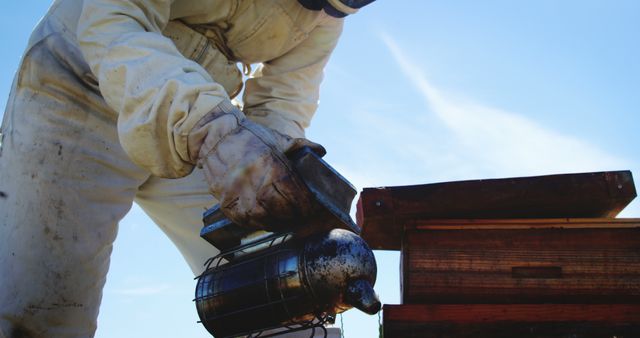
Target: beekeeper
(119,101)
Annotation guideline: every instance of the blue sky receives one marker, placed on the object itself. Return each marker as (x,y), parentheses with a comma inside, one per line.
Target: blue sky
(419,92)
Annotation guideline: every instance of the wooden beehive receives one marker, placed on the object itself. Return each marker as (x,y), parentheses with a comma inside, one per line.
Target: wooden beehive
(512,320)
(382,212)
(527,257)
(521,261)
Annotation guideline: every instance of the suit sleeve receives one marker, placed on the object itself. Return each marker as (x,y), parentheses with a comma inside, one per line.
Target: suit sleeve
(159,94)
(284,92)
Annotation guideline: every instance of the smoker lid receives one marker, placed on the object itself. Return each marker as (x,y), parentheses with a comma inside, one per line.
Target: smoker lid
(331,190)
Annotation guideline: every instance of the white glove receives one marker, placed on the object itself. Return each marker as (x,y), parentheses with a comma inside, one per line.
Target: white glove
(247,170)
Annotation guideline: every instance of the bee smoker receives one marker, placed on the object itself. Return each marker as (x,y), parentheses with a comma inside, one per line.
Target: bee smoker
(293,280)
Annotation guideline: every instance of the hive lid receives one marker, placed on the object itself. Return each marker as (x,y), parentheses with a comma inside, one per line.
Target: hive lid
(382,212)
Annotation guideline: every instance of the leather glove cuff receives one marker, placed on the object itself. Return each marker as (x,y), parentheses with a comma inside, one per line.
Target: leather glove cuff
(222,120)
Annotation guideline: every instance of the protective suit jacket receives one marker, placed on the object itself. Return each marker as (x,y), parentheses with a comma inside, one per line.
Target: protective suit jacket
(161,87)
(99,116)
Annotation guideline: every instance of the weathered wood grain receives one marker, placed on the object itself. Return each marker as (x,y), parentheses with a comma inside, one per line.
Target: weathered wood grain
(502,321)
(383,212)
(505,261)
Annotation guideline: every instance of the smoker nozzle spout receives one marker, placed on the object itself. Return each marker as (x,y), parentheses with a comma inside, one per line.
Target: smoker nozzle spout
(360,294)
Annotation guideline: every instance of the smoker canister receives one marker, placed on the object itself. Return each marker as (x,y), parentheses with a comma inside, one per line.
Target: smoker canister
(288,285)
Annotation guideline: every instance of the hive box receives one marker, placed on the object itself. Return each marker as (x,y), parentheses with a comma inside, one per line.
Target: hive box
(518,257)
(594,261)
(510,321)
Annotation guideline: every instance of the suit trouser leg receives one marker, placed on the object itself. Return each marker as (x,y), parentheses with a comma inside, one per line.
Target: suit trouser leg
(65,183)
(177,205)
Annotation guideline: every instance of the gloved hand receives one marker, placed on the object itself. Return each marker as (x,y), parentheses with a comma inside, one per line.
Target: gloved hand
(247,170)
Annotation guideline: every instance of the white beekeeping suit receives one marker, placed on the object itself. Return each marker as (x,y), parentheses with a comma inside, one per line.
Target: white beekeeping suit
(118,101)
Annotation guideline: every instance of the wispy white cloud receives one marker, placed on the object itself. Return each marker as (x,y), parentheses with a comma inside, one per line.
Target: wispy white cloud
(492,141)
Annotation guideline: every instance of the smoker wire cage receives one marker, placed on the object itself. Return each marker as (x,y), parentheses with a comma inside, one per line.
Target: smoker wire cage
(257,292)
